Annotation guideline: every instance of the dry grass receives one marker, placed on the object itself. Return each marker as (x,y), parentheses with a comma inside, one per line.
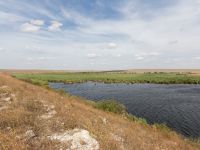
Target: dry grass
(9,142)
(112,131)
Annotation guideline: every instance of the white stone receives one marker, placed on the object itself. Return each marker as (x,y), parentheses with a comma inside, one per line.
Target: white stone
(29,134)
(51,106)
(117,138)
(104,120)
(80,140)
(7,99)
(8,128)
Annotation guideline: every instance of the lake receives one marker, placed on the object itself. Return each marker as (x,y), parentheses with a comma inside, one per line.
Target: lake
(176,105)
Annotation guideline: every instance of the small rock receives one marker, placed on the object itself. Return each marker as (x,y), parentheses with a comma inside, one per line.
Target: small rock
(104,120)
(7,99)
(117,138)
(51,106)
(8,128)
(18,137)
(29,134)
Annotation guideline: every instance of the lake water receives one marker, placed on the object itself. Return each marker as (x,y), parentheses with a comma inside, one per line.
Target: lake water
(176,105)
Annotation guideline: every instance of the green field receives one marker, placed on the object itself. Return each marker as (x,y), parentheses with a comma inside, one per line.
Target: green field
(109,77)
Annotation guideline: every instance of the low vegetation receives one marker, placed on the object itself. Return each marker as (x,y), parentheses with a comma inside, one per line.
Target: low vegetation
(109,77)
(111,106)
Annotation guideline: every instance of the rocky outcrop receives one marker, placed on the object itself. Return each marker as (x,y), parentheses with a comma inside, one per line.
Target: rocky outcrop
(76,139)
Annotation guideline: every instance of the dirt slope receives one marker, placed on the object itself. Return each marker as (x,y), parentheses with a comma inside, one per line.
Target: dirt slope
(36,118)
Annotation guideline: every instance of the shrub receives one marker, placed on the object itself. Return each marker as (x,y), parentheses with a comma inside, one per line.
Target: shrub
(137,119)
(61,91)
(161,126)
(111,106)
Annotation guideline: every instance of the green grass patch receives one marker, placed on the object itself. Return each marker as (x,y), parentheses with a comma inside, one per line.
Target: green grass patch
(109,77)
(137,119)
(111,106)
(161,126)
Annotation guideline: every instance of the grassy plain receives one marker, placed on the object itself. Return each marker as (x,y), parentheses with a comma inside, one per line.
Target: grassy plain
(110,77)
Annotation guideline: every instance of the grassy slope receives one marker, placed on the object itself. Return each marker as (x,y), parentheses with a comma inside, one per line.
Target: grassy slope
(22,115)
(173,78)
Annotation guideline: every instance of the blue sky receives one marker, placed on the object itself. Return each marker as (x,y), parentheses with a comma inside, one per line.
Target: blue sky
(99,34)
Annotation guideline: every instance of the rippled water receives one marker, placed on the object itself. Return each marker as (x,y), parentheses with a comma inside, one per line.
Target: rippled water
(176,105)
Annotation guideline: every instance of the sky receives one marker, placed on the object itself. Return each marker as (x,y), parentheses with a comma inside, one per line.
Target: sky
(99,34)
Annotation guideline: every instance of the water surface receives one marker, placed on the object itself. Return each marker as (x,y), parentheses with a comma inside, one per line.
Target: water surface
(176,105)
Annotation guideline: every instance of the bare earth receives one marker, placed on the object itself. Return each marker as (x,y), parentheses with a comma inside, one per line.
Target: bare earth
(36,118)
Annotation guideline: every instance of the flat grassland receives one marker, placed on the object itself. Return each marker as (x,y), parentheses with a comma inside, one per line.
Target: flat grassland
(32,115)
(111,77)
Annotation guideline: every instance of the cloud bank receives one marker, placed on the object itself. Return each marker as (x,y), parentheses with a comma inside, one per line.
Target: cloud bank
(118,34)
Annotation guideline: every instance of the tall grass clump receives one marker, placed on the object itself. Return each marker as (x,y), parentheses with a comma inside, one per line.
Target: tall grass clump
(195,142)
(111,106)
(61,91)
(162,126)
(137,119)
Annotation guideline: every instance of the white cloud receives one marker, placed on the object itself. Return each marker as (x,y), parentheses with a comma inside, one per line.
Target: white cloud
(173,42)
(197,58)
(6,17)
(1,49)
(41,58)
(76,17)
(55,26)
(137,57)
(118,55)
(30,59)
(153,54)
(28,27)
(145,55)
(112,45)
(91,56)
(162,35)
(37,22)
(32,26)
(45,58)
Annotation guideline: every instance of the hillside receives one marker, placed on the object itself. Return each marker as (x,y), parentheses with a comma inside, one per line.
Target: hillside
(33,118)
